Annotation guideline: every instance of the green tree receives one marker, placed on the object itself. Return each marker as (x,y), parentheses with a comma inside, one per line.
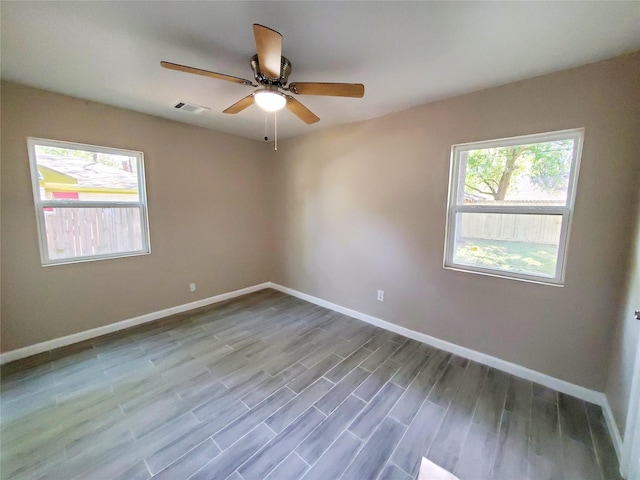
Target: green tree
(491,171)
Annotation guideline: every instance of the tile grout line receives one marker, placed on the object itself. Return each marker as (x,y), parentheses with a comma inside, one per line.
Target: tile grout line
(595,450)
(504,403)
(426,399)
(144,461)
(300,456)
(292,450)
(362,446)
(266,425)
(222,451)
(473,413)
(447,411)
(276,467)
(387,415)
(334,441)
(529,435)
(560,434)
(383,418)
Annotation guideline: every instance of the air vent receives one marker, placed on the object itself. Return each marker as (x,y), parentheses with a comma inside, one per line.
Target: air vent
(189,107)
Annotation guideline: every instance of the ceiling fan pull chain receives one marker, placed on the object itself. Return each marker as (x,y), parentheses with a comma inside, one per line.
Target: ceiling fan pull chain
(265,127)
(275,130)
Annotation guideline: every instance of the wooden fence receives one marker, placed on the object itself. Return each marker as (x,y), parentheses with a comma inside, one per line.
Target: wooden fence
(516,228)
(78,232)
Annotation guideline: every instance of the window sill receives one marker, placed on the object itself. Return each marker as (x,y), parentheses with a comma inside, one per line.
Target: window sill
(67,261)
(506,275)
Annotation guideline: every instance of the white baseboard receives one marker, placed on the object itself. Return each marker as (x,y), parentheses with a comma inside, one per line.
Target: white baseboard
(563,386)
(131,322)
(483,358)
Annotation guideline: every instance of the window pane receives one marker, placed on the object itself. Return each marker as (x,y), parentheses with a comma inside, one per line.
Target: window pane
(533,174)
(79,175)
(80,232)
(526,244)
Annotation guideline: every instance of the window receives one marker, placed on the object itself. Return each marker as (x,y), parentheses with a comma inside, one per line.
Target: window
(90,201)
(510,205)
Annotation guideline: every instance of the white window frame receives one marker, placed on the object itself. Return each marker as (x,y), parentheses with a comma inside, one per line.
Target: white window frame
(41,204)
(566,211)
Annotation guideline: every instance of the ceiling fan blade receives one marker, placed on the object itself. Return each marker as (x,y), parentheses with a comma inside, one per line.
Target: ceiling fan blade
(355,90)
(269,49)
(206,73)
(240,105)
(302,112)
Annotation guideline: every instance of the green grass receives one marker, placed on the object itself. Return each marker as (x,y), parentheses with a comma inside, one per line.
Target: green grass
(521,257)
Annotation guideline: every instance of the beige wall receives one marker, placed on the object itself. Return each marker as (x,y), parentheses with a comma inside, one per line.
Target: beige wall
(339,214)
(362,207)
(624,346)
(207,217)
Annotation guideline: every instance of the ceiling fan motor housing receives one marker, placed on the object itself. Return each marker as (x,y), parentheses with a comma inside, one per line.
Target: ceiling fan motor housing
(261,78)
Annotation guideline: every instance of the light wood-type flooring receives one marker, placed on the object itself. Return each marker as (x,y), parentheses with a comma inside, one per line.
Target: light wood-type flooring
(267,386)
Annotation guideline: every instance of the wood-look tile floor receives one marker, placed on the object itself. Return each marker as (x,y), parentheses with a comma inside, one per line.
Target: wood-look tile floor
(267,386)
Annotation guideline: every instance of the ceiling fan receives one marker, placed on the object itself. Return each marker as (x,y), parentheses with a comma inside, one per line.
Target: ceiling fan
(271,72)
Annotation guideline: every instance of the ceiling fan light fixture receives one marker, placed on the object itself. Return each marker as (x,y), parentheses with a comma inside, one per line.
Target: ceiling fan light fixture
(270,100)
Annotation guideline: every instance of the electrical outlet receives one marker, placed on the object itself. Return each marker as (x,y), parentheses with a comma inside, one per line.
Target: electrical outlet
(381,295)
(192,287)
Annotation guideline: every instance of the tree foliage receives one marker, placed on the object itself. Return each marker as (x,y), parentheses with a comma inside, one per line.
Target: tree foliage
(491,171)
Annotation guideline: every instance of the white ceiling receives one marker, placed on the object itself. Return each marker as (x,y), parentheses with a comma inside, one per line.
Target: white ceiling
(406,53)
